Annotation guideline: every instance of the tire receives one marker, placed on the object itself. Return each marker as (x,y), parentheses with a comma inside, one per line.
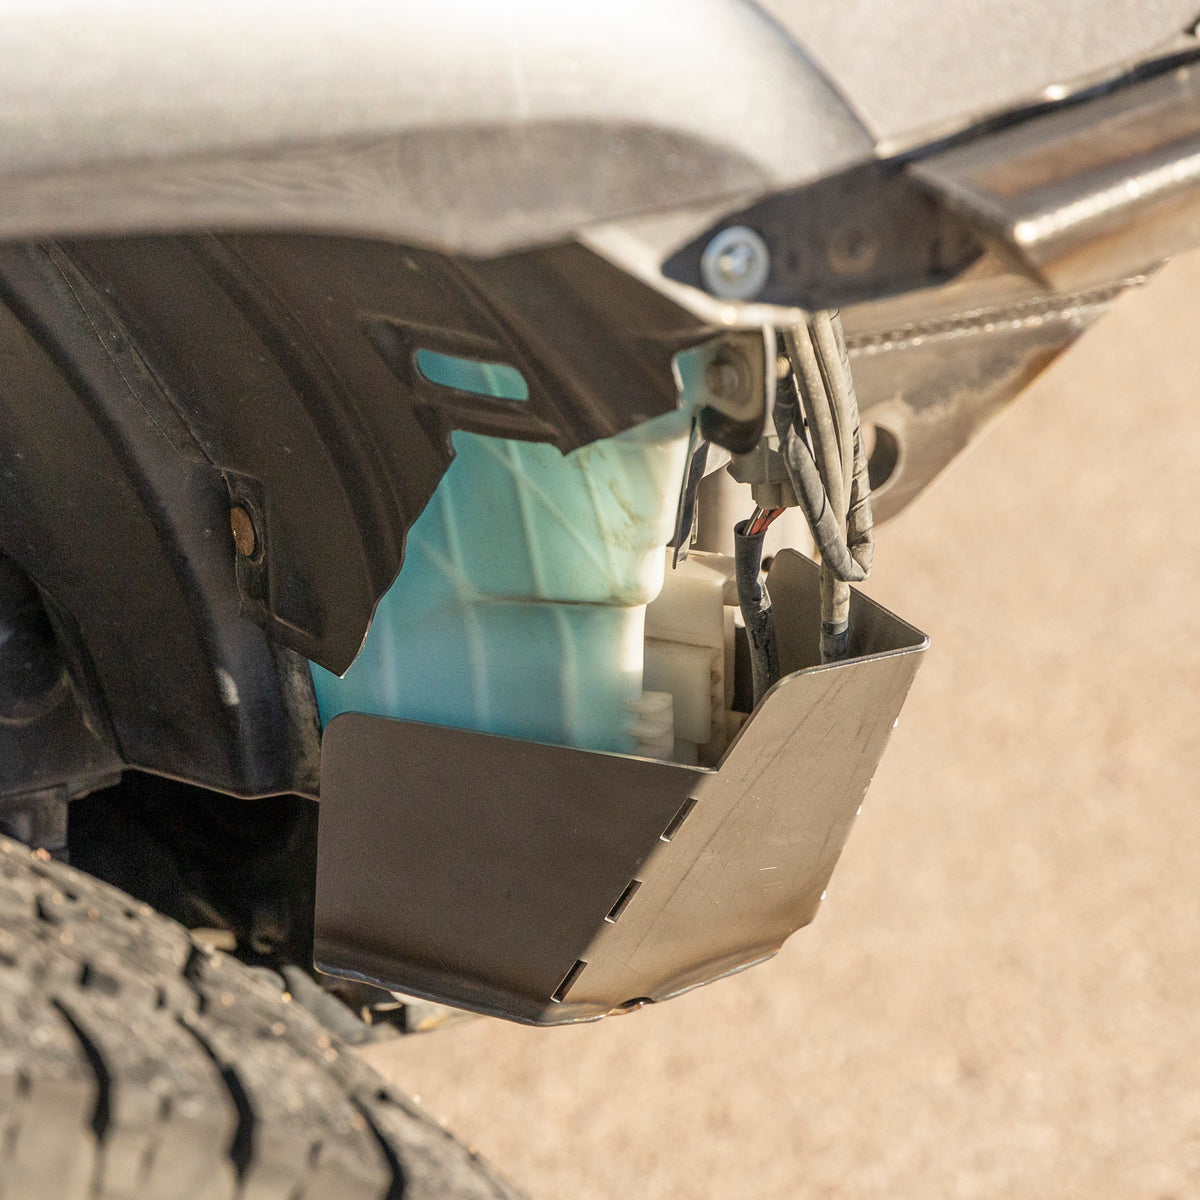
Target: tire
(135,1065)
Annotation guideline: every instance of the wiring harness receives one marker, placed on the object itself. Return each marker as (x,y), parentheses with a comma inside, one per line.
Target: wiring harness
(820,444)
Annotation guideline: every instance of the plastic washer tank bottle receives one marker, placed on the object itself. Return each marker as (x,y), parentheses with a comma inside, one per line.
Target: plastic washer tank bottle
(520,609)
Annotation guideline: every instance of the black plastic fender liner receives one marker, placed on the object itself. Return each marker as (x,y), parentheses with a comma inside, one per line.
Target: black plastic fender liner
(54,742)
(125,528)
(552,885)
(154,385)
(291,361)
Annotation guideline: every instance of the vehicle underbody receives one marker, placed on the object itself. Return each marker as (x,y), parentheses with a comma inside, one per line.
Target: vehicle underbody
(246,373)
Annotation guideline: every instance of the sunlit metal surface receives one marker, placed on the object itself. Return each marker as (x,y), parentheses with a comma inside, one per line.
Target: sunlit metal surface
(553,885)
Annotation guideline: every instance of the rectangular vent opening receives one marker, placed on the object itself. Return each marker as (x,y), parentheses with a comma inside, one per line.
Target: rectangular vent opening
(560,992)
(678,819)
(501,381)
(623,901)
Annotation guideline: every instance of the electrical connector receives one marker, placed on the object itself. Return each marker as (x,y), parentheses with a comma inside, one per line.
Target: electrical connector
(765,471)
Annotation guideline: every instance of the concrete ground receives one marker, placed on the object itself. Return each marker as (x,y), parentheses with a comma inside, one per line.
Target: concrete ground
(1001,995)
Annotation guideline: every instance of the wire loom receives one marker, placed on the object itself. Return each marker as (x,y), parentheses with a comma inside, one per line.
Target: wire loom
(820,441)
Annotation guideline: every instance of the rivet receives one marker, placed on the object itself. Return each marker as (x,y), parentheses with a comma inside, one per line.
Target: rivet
(244,536)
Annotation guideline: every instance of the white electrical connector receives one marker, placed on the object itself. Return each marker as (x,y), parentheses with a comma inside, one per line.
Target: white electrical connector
(689,653)
(653,726)
(764,470)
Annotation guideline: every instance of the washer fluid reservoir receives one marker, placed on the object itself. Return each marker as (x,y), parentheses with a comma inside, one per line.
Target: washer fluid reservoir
(520,608)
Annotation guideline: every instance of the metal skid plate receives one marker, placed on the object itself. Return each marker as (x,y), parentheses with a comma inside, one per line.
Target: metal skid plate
(552,885)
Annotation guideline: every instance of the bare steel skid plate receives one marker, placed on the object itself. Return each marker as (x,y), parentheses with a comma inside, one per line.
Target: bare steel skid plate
(551,885)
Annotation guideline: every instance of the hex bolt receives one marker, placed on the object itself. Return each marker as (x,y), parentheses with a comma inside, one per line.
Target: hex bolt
(735,264)
(244,536)
(729,382)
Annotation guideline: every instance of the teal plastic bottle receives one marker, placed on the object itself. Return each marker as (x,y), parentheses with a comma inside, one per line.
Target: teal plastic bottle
(520,607)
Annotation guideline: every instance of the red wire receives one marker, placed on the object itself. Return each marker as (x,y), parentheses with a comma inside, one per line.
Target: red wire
(761,522)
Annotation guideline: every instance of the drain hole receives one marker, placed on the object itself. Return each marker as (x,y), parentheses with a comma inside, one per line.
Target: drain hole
(560,992)
(882,448)
(678,819)
(623,901)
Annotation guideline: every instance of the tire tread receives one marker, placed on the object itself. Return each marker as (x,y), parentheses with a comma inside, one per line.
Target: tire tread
(137,1065)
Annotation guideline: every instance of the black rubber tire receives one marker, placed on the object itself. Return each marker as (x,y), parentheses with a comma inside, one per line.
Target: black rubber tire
(135,1065)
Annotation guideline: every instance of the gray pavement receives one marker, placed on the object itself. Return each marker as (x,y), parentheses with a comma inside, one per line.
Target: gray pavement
(1001,996)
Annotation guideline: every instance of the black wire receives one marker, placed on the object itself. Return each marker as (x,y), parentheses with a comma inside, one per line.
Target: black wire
(685,512)
(755,603)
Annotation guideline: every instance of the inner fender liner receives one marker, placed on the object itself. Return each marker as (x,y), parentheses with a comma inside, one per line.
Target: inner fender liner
(127,534)
(152,384)
(291,362)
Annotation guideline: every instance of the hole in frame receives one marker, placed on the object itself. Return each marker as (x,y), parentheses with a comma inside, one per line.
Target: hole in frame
(678,819)
(495,379)
(623,901)
(560,992)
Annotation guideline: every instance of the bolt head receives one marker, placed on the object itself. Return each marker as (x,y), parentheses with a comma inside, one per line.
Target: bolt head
(729,380)
(735,264)
(244,536)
